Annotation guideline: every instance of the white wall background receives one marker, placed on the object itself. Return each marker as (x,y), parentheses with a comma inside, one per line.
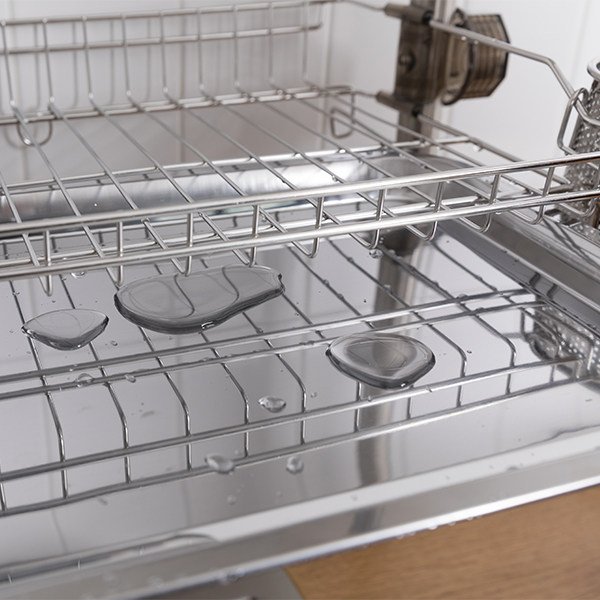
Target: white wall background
(524,114)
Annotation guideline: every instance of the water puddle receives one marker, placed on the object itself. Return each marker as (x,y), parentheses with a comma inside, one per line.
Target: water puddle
(179,304)
(383,360)
(66,329)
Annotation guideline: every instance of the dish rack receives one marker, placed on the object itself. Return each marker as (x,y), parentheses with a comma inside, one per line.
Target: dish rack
(133,170)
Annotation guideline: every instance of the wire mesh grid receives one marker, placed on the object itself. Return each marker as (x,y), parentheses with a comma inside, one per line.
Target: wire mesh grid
(145,88)
(137,408)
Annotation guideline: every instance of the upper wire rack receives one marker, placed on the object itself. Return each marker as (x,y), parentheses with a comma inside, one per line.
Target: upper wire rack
(252,68)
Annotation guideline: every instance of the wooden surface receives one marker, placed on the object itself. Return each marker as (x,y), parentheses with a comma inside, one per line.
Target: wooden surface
(547,549)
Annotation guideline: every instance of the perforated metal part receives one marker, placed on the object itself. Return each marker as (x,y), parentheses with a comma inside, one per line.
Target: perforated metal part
(586,138)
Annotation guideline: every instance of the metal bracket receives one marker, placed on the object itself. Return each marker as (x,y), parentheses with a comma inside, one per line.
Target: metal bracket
(433,64)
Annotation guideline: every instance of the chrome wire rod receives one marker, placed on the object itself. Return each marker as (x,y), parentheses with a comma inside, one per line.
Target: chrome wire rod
(241,357)
(32,141)
(447,146)
(110,217)
(47,390)
(157,165)
(284,452)
(310,328)
(254,7)
(268,239)
(111,390)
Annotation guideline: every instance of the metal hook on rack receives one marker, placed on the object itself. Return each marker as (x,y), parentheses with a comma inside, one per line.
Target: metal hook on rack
(31,143)
(542,209)
(49,285)
(190,242)
(350,116)
(256,212)
(120,268)
(488,217)
(378,213)
(426,237)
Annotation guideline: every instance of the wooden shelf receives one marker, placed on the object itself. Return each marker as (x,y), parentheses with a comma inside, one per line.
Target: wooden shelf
(547,549)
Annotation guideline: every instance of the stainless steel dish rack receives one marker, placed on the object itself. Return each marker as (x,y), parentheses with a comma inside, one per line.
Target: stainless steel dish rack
(134,169)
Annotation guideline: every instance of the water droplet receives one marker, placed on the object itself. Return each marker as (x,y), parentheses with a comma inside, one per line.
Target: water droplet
(231,499)
(113,343)
(294,465)
(219,463)
(272,403)
(16,293)
(375,253)
(84,379)
(129,377)
(178,304)
(78,274)
(314,395)
(66,329)
(383,360)
(388,287)
(231,577)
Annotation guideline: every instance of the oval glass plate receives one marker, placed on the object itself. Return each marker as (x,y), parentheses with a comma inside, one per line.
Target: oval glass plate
(383,360)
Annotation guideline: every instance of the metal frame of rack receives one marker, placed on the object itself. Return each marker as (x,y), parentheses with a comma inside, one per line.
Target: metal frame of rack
(199,232)
(514,306)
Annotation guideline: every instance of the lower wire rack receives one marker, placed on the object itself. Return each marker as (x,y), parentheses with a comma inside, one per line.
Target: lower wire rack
(137,408)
